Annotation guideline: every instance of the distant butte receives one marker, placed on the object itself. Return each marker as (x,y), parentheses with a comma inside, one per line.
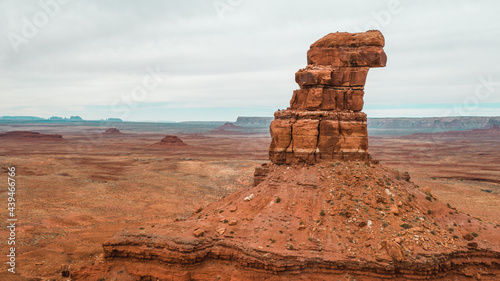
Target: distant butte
(112,131)
(324,121)
(170,140)
(322,209)
(230,126)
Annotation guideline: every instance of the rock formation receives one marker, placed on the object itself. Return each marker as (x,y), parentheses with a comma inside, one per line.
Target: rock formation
(336,220)
(346,221)
(434,123)
(230,126)
(493,132)
(229,129)
(253,121)
(324,121)
(112,131)
(170,140)
(27,135)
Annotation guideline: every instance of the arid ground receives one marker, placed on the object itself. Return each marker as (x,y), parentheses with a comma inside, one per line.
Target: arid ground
(75,193)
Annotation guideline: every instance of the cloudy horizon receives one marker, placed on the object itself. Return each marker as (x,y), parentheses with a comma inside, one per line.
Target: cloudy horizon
(220,59)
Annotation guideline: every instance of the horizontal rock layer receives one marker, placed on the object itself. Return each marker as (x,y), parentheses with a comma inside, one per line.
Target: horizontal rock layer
(332,76)
(310,138)
(327,99)
(370,56)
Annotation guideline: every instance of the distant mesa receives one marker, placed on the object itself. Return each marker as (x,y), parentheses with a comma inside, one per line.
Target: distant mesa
(114,120)
(494,131)
(29,135)
(171,140)
(55,119)
(429,123)
(72,118)
(112,131)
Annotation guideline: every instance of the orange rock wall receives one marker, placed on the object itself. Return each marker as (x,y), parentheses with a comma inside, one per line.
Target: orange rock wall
(324,121)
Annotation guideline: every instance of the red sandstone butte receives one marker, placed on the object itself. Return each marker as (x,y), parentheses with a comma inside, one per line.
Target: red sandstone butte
(310,214)
(170,140)
(324,121)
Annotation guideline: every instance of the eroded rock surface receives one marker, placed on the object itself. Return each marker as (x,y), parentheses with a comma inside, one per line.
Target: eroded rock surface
(170,140)
(324,121)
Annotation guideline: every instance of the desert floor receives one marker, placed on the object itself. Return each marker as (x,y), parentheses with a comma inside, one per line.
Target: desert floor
(74,194)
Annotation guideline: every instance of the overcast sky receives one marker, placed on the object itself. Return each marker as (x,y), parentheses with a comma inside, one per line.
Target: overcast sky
(216,60)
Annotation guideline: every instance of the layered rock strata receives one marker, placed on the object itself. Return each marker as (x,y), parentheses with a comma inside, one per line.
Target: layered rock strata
(324,121)
(171,140)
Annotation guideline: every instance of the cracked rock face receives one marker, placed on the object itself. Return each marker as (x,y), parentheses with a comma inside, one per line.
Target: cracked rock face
(324,121)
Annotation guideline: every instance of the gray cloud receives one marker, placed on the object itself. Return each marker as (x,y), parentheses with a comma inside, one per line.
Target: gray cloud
(91,53)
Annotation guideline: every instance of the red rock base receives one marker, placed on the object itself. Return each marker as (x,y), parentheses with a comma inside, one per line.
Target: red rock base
(345,220)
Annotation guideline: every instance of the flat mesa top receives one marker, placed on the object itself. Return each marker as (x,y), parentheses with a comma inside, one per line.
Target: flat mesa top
(346,39)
